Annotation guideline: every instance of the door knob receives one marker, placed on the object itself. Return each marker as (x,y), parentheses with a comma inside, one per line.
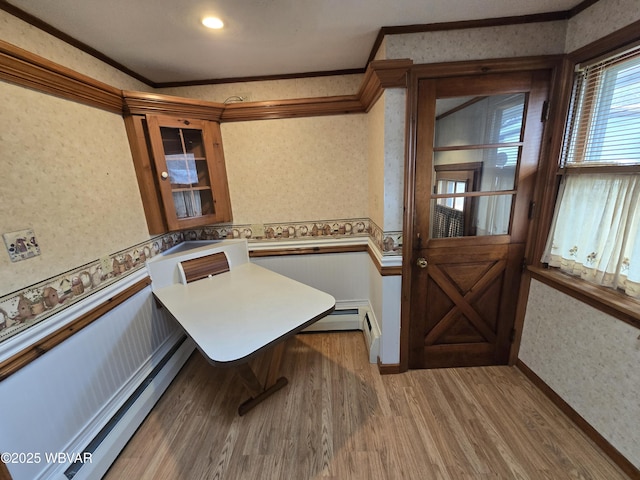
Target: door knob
(422,262)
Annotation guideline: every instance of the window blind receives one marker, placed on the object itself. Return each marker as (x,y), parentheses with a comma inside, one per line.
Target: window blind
(604,119)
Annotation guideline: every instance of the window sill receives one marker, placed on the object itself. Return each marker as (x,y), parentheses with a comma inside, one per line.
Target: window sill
(606,300)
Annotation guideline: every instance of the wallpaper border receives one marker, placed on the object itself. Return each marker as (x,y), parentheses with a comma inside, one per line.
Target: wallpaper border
(27,307)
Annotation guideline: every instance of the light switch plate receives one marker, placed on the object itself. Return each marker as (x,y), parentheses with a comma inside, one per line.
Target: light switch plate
(21,244)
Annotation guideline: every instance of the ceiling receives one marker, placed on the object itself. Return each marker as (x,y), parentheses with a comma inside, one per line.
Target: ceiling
(163,41)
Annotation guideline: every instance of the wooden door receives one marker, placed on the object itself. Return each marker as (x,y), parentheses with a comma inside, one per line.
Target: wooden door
(465,276)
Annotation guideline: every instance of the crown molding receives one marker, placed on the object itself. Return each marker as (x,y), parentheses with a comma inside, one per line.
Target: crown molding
(141,103)
(29,70)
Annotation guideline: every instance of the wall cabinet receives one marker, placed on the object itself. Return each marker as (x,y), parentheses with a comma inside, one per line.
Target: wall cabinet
(181,171)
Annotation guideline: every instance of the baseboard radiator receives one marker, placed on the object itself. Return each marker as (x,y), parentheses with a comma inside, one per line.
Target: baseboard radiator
(77,405)
(352,316)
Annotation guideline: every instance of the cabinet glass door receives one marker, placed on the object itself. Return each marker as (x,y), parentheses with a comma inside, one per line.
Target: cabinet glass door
(191,171)
(188,172)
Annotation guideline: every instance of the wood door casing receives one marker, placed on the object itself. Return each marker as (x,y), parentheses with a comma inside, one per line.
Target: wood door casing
(463,304)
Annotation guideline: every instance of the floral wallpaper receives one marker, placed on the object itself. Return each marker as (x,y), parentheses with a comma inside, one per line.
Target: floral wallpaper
(476,43)
(599,20)
(68,176)
(297,168)
(284,89)
(588,358)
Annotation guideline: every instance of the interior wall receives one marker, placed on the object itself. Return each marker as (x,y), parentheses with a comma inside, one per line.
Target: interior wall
(599,20)
(68,175)
(375,161)
(478,43)
(284,89)
(306,169)
(588,358)
(394,153)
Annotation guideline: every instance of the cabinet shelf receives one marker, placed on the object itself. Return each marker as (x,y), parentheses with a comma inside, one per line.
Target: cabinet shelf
(190,189)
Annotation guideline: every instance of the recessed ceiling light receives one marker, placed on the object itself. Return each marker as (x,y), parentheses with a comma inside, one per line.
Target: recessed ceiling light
(212,22)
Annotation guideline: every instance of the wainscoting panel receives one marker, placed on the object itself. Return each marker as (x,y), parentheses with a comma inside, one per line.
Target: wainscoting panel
(60,402)
(343,275)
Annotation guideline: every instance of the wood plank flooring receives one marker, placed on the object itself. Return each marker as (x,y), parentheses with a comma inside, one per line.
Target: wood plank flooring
(339,419)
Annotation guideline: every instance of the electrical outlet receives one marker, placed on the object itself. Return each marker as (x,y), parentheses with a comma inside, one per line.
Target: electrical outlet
(257,230)
(107,265)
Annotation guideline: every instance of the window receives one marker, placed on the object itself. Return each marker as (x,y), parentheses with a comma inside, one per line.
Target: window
(595,232)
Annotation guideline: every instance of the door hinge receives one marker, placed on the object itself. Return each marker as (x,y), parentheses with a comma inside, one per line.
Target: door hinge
(545,111)
(524,264)
(512,335)
(532,210)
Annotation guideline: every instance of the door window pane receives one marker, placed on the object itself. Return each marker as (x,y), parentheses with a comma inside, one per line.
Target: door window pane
(484,215)
(480,121)
(477,147)
(497,166)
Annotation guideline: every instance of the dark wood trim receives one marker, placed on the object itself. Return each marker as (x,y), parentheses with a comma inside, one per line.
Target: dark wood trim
(547,183)
(463,25)
(389,368)
(600,169)
(145,173)
(261,78)
(29,70)
(620,38)
(45,27)
(383,74)
(389,30)
(484,67)
(295,108)
(284,251)
(411,141)
(606,300)
(318,250)
(384,271)
(620,460)
(380,75)
(31,353)
(141,103)
(581,7)
(26,69)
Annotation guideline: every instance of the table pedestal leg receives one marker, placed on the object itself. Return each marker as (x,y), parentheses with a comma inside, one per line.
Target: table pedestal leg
(272,383)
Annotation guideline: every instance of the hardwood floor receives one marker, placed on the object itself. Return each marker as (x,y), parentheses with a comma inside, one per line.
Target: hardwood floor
(339,419)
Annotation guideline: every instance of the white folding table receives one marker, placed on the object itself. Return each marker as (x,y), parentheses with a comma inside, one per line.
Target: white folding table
(234,316)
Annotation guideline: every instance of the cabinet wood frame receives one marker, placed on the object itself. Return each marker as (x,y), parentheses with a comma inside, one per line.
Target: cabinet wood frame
(149,162)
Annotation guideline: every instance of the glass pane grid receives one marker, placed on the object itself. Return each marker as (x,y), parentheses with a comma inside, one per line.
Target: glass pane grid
(188,172)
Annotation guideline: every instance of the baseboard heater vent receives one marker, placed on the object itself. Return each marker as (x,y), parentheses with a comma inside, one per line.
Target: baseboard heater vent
(347,318)
(339,319)
(372,338)
(93,445)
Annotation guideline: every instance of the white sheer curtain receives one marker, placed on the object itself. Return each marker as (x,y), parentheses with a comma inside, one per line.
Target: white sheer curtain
(596,230)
